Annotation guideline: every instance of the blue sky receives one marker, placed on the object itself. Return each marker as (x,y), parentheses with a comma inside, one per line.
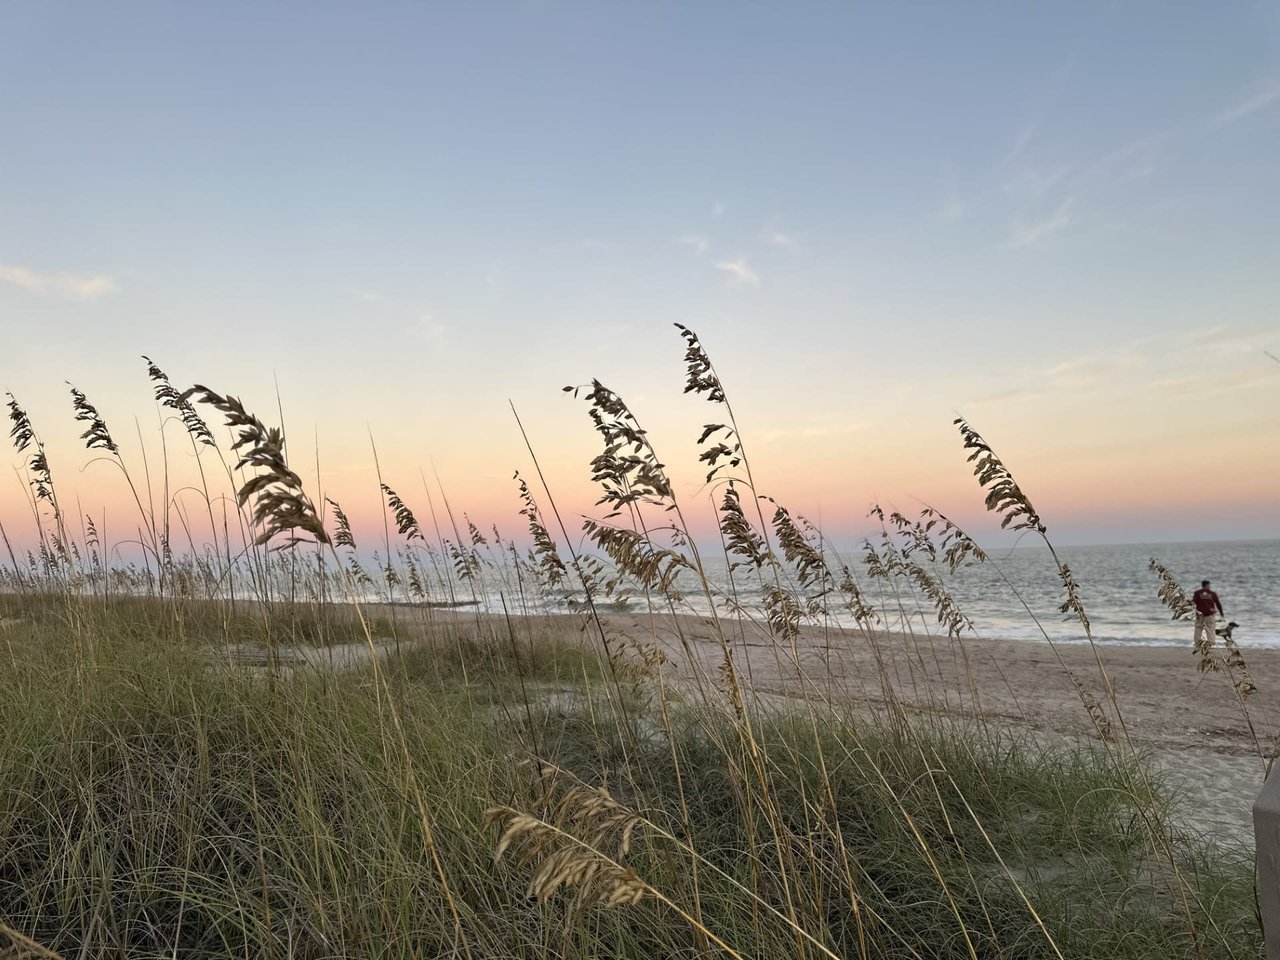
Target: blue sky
(1058,220)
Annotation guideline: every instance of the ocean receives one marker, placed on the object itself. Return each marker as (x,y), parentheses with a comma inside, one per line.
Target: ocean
(1118,591)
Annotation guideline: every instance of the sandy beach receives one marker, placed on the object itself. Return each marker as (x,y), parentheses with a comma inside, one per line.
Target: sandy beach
(1190,723)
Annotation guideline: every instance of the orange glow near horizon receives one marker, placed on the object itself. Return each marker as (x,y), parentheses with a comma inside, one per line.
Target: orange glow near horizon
(883,228)
(1089,478)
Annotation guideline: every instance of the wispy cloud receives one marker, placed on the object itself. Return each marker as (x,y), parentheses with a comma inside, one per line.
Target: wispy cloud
(1059,185)
(1087,371)
(1214,360)
(1259,99)
(589,244)
(429,328)
(717,210)
(1074,375)
(697,242)
(1033,183)
(367,296)
(813,431)
(1214,383)
(1025,136)
(1229,342)
(59,284)
(954,207)
(778,239)
(1002,397)
(1029,234)
(740,271)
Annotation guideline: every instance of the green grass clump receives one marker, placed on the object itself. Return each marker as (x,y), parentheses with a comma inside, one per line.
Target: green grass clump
(189,622)
(157,802)
(162,805)
(950,836)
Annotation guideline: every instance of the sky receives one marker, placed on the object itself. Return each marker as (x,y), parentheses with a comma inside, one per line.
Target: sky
(388,223)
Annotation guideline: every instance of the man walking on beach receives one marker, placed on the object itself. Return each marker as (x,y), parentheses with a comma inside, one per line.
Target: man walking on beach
(1207,605)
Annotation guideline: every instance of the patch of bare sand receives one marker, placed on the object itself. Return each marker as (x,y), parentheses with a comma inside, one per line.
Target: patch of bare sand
(1191,723)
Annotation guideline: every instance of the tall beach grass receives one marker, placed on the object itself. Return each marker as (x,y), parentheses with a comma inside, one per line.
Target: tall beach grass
(243,733)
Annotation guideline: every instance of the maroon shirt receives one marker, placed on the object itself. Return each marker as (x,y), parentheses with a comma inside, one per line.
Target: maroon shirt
(1206,601)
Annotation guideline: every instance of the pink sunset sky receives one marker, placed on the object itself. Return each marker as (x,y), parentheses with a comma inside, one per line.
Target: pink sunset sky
(1058,223)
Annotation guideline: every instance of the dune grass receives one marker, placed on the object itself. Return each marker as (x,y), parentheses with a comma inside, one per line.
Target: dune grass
(217,753)
(160,802)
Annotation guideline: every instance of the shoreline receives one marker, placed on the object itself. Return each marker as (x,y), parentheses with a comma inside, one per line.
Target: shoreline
(1163,697)
(1175,634)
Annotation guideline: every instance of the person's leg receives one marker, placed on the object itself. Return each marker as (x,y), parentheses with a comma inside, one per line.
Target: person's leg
(1200,629)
